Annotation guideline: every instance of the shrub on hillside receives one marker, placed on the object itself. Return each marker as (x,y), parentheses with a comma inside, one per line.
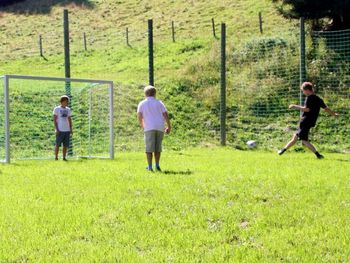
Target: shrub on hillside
(257,49)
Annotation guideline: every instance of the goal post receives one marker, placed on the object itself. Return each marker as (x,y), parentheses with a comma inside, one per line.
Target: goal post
(26,123)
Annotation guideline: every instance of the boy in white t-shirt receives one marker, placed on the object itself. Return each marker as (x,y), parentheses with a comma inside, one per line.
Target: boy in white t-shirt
(63,126)
(152,116)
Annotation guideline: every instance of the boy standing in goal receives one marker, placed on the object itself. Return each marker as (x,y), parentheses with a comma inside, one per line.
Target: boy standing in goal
(151,115)
(310,110)
(63,126)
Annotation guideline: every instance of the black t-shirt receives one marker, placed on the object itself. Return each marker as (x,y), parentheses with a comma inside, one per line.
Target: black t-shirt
(314,103)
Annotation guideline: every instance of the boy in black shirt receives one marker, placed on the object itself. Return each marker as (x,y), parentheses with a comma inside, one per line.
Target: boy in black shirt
(310,110)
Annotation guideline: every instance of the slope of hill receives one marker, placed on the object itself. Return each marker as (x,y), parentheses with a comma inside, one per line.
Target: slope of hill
(186,72)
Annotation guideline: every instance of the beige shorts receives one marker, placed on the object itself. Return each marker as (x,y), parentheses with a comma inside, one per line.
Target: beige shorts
(153,141)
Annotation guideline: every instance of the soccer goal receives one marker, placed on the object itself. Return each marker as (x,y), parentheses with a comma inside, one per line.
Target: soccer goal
(26,117)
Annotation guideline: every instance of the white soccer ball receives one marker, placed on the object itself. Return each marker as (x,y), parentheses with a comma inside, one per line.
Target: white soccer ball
(251,144)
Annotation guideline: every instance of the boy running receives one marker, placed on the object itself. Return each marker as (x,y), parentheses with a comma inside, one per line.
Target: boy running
(63,126)
(151,115)
(310,110)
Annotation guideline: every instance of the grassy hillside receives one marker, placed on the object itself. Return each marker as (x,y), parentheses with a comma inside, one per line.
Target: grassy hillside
(104,23)
(263,70)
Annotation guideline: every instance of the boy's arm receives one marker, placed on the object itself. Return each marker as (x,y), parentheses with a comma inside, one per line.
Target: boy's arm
(298,107)
(55,123)
(140,118)
(167,120)
(330,112)
(70,124)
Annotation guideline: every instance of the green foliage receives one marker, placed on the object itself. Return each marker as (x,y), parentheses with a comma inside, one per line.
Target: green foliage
(337,10)
(260,46)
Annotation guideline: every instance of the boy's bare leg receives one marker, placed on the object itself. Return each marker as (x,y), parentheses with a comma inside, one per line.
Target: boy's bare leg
(310,146)
(64,152)
(313,149)
(57,148)
(157,158)
(149,160)
(291,143)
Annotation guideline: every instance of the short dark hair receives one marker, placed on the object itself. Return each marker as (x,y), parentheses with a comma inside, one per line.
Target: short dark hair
(64,98)
(307,86)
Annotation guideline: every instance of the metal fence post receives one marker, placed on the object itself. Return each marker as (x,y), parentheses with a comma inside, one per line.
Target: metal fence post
(150,52)
(85,46)
(66,45)
(260,23)
(127,36)
(67,66)
(223,87)
(213,26)
(302,57)
(41,46)
(173,30)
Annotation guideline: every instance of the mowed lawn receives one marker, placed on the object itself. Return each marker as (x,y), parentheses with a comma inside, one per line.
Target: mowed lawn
(209,205)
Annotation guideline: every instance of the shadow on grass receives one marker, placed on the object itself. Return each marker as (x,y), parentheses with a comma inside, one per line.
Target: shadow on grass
(33,7)
(38,162)
(187,172)
(343,160)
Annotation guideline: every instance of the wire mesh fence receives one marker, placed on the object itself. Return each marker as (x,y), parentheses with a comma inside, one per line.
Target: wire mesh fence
(328,67)
(2,119)
(262,79)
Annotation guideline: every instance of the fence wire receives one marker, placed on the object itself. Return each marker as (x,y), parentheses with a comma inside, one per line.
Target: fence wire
(263,79)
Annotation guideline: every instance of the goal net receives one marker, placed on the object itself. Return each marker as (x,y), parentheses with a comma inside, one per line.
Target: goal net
(26,117)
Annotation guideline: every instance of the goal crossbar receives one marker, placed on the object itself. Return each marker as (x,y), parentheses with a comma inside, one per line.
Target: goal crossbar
(109,82)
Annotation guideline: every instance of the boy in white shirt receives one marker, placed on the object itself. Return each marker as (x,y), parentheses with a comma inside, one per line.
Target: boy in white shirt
(152,116)
(63,126)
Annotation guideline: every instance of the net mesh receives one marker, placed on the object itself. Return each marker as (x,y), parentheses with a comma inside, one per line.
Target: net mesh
(329,68)
(264,80)
(32,132)
(2,120)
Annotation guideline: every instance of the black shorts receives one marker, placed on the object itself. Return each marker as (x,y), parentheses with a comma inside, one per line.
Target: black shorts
(303,131)
(63,137)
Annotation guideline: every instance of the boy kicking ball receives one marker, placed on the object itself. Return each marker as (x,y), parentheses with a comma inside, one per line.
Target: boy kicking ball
(63,126)
(310,110)
(151,115)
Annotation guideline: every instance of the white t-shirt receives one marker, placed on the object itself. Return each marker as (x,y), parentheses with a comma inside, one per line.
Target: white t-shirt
(152,112)
(62,118)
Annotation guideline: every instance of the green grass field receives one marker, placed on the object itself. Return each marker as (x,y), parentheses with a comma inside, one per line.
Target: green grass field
(209,205)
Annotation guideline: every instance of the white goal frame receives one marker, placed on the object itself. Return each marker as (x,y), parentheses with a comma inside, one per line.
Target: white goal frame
(6,80)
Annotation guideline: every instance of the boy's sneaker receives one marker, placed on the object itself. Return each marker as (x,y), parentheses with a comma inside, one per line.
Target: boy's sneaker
(149,169)
(158,169)
(280,152)
(320,156)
